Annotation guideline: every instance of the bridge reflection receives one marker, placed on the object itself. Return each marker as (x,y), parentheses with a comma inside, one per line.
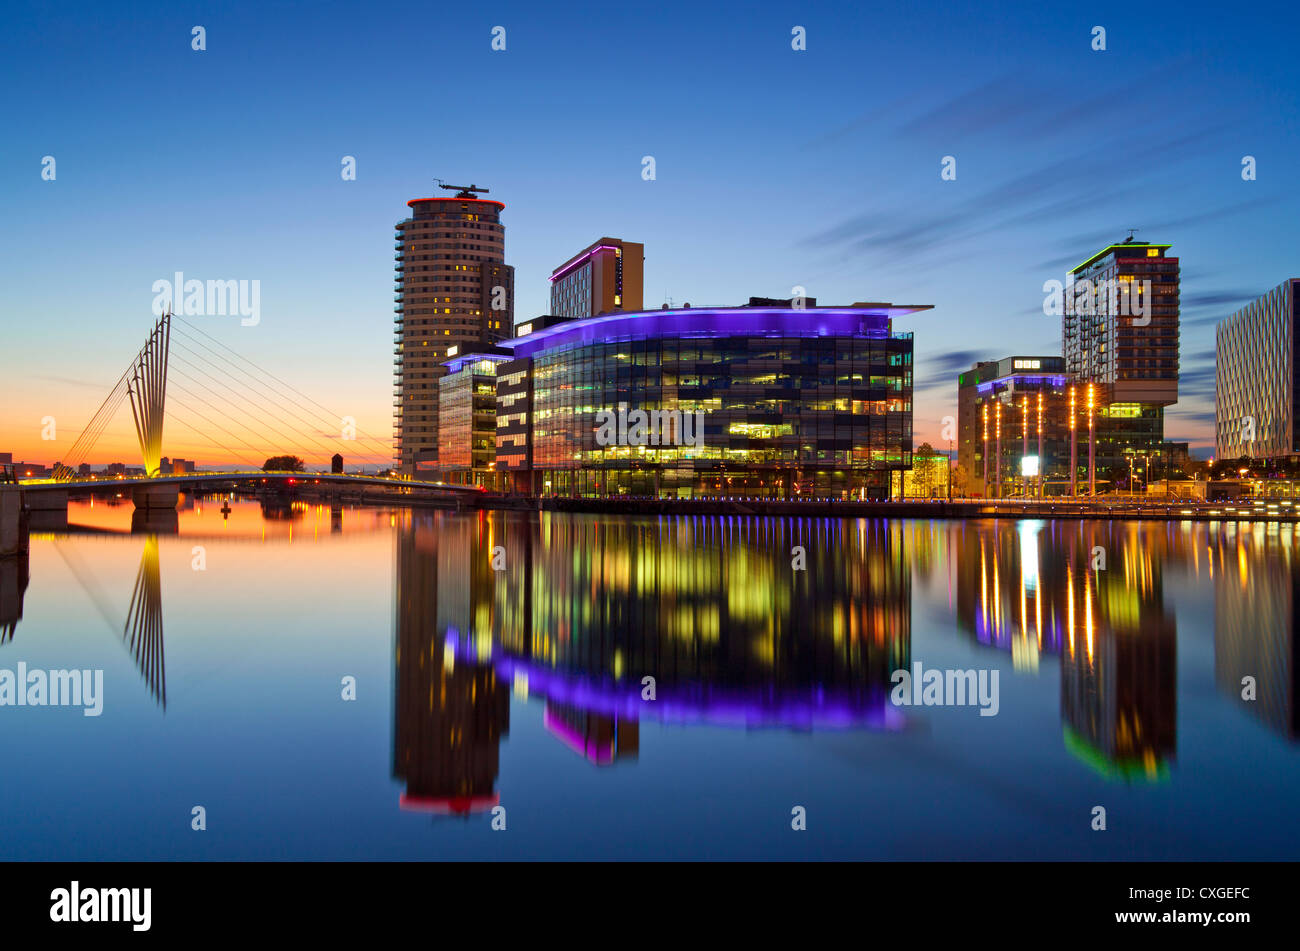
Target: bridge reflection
(141,632)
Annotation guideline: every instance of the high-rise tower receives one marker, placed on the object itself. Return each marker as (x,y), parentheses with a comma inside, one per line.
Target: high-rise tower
(453,289)
(1120,333)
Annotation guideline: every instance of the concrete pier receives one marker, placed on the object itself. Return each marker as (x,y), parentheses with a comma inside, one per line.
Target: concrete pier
(155,496)
(47,501)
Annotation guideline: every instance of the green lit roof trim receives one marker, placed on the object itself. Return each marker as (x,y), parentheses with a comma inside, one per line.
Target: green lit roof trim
(1111,768)
(1122,244)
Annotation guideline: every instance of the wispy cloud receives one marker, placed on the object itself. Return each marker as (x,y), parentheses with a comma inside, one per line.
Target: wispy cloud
(943,368)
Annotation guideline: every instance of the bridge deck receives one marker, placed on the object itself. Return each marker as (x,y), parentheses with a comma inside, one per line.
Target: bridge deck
(288,478)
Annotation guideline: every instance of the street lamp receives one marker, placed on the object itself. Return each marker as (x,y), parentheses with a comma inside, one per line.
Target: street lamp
(997,462)
(1074,470)
(986,450)
(1092,442)
(1040,444)
(1024,448)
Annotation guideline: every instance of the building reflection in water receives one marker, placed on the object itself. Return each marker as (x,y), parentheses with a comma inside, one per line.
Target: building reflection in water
(13,585)
(1256,595)
(1119,671)
(1092,594)
(449,717)
(583,609)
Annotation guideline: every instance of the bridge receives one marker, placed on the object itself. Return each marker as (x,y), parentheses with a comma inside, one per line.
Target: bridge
(243,411)
(216,481)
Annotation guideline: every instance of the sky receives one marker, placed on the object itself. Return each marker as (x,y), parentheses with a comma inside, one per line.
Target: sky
(775,168)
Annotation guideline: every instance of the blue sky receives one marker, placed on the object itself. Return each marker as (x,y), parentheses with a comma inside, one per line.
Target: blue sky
(774,168)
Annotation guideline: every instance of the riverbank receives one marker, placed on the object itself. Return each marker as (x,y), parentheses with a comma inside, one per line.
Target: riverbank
(1110,509)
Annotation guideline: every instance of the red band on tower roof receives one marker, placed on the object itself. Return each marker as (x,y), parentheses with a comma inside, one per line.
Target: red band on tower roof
(482,201)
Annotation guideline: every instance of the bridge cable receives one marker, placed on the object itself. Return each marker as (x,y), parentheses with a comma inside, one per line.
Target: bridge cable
(86,441)
(219,445)
(386,452)
(329,413)
(260,424)
(249,397)
(213,422)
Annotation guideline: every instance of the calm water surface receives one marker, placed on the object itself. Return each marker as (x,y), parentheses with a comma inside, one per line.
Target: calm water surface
(225,640)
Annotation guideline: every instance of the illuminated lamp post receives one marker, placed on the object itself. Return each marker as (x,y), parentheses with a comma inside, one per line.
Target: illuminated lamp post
(1024,444)
(986,450)
(1040,444)
(997,459)
(1074,451)
(1092,441)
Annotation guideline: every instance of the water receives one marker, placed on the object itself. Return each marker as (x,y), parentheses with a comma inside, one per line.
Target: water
(522,688)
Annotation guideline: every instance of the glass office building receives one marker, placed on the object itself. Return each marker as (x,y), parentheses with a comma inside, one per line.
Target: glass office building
(1013,426)
(467,421)
(1255,396)
(759,401)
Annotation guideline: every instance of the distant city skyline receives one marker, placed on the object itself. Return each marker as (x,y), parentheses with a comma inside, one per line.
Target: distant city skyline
(774,169)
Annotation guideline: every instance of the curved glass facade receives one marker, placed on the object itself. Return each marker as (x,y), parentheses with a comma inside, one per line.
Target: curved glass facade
(795,403)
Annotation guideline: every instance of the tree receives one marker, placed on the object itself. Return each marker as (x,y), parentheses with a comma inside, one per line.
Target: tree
(960,481)
(283,464)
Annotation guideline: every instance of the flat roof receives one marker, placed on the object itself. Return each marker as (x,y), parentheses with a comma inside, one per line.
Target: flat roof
(604,244)
(460,359)
(717,322)
(1111,247)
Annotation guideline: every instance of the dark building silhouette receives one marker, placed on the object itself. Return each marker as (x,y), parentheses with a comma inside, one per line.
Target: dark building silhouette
(450,715)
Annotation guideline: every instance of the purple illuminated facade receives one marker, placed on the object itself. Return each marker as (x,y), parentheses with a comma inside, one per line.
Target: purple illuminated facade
(811,402)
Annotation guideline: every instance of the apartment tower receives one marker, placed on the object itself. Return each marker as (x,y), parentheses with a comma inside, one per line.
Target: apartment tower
(1120,335)
(453,289)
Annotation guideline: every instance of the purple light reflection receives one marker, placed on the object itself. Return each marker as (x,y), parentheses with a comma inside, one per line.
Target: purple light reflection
(704,704)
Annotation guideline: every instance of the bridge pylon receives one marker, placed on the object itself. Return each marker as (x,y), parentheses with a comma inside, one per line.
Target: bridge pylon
(145,382)
(147,388)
